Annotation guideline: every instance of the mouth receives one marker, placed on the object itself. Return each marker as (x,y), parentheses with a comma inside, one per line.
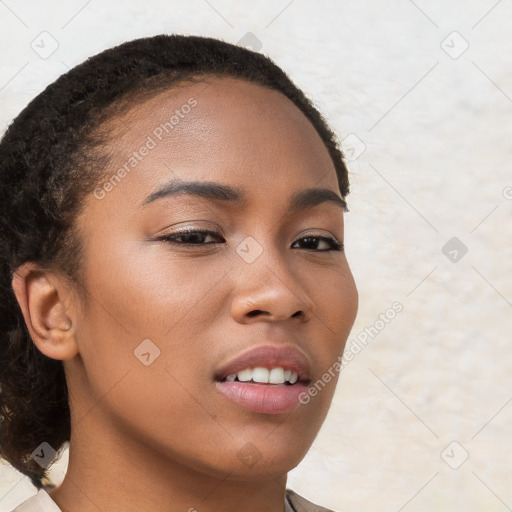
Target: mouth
(267,379)
(260,375)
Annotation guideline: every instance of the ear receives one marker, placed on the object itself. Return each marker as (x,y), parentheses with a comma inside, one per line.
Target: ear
(42,296)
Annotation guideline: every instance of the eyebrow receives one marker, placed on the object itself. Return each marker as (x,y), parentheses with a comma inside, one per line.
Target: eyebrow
(300,200)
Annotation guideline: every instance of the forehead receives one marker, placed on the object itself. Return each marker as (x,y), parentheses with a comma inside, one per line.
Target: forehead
(222,129)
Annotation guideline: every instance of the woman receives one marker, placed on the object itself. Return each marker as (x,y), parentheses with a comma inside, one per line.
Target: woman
(174,279)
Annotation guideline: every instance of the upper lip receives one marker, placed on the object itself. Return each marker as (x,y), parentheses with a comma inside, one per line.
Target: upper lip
(288,357)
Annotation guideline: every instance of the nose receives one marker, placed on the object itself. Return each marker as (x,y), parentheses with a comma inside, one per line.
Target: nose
(267,290)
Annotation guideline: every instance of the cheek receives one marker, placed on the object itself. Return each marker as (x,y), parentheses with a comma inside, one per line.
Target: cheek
(150,291)
(348,302)
(336,299)
(145,293)
(148,303)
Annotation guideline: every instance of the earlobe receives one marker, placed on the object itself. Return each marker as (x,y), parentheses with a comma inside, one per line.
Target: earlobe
(41,296)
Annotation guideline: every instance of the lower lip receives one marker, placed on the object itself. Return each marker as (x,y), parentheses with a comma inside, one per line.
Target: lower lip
(263,398)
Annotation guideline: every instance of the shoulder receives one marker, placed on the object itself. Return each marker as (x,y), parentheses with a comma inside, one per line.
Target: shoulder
(40,502)
(300,504)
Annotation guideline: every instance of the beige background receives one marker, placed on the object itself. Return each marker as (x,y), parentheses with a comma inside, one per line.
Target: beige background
(426,127)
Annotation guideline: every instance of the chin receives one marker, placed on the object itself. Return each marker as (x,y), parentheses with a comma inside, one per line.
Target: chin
(271,453)
(264,466)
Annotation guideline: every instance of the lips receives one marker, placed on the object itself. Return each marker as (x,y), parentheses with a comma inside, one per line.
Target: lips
(287,357)
(265,397)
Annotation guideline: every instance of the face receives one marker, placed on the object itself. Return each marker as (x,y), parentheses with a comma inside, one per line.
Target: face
(170,318)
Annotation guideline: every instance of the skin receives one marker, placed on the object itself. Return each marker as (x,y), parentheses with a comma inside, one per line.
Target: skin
(161,437)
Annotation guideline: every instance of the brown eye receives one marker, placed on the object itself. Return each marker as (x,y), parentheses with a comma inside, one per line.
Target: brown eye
(190,237)
(312,240)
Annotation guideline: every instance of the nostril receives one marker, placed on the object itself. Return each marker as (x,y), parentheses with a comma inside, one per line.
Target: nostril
(254,312)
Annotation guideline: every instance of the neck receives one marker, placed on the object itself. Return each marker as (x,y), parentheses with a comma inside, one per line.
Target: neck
(108,473)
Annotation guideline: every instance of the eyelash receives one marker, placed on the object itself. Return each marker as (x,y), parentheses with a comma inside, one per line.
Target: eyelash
(335,245)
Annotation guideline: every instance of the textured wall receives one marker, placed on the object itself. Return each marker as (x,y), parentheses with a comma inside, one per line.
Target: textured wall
(421,94)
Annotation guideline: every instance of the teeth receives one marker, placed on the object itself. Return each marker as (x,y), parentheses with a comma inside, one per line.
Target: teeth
(260,375)
(265,376)
(245,375)
(276,376)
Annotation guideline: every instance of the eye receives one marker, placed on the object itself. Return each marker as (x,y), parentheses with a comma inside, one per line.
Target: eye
(190,236)
(312,240)
(198,237)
